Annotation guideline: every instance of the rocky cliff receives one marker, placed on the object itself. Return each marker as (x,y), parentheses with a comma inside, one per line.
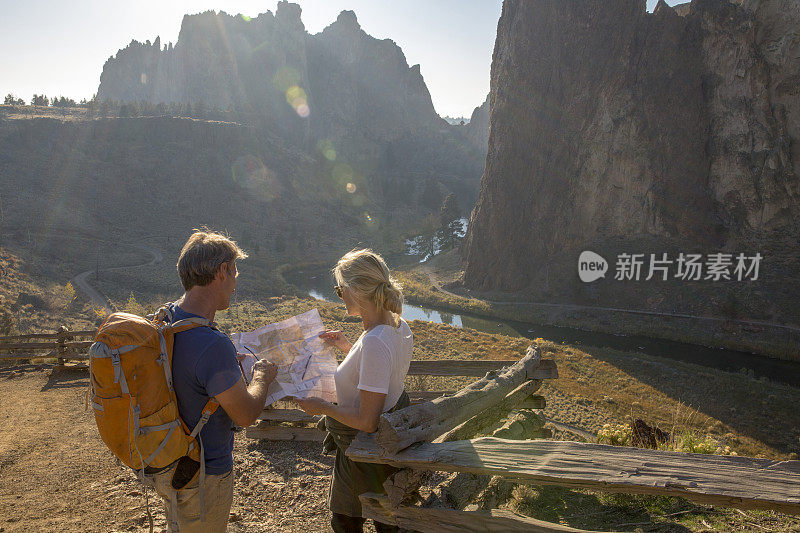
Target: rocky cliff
(341,94)
(478,127)
(342,75)
(617,130)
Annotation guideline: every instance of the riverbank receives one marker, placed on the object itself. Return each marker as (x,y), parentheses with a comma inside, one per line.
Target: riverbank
(436,284)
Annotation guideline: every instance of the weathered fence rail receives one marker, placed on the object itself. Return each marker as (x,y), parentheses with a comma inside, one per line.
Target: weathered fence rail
(730,481)
(439,435)
(60,344)
(413,518)
(471,367)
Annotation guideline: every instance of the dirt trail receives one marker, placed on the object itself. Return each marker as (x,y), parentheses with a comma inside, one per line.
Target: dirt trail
(57,475)
(81,281)
(435,282)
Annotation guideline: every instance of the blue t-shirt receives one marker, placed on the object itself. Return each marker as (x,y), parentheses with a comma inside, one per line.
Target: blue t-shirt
(204,364)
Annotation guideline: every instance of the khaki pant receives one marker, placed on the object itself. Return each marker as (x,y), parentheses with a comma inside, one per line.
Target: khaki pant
(184,507)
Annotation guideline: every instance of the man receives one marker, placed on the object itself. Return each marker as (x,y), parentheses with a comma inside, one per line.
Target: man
(205,365)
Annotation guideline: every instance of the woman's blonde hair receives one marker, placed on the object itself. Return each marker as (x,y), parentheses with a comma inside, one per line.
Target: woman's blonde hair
(367,275)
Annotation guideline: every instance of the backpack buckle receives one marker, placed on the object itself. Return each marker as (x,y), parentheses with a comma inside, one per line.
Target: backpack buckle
(116,362)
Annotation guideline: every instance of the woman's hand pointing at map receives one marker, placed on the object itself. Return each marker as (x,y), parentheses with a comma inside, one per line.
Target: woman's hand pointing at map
(313,406)
(336,338)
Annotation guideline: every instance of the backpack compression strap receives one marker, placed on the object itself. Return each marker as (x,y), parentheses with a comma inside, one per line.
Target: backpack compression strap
(210,408)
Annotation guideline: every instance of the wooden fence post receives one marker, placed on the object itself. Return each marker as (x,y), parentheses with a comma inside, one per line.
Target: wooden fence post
(60,348)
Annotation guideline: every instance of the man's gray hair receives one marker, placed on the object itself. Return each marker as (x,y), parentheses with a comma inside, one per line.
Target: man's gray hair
(203,254)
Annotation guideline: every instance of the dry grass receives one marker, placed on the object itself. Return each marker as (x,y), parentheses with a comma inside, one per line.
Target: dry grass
(418,289)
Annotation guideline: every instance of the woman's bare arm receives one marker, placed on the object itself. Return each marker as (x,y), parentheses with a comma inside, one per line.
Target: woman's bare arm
(364,417)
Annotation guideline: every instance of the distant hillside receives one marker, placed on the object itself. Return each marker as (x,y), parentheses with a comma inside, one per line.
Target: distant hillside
(127,179)
(340,93)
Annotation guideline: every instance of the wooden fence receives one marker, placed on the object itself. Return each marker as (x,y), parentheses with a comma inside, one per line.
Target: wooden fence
(63,344)
(438,435)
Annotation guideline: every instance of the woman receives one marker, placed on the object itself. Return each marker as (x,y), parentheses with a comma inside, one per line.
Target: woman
(369,381)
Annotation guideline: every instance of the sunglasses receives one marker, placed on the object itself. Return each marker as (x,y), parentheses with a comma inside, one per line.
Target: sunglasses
(338,290)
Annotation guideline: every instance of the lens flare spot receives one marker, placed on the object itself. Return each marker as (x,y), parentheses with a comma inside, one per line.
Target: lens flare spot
(295,95)
(368,220)
(250,173)
(351,188)
(297,98)
(144,78)
(326,149)
(244,17)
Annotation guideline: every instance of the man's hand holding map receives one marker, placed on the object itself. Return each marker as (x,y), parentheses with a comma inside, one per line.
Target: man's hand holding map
(305,363)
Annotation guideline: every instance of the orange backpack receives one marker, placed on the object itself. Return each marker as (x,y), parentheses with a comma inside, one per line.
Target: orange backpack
(131,391)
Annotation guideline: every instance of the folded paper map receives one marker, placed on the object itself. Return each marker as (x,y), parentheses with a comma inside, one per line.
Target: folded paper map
(305,363)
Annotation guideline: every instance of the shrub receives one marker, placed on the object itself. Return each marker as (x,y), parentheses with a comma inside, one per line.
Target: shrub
(70,296)
(134,307)
(692,442)
(688,441)
(6,321)
(615,435)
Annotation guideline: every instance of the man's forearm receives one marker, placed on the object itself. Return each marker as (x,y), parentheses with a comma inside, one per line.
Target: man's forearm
(258,392)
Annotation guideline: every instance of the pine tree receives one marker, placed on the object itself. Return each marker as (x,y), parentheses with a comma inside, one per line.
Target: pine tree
(449,219)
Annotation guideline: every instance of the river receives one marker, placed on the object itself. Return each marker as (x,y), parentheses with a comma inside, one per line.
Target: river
(319,284)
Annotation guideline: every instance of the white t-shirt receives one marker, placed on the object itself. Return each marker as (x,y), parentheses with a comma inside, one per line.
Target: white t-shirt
(377,362)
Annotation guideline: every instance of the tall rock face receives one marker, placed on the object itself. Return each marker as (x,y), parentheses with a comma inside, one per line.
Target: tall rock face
(363,84)
(339,92)
(219,60)
(617,130)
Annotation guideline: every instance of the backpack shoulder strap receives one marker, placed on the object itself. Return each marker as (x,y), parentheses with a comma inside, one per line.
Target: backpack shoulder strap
(209,409)
(166,318)
(190,323)
(163,314)
(163,321)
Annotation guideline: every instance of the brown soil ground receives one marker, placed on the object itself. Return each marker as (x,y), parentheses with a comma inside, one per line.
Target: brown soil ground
(56,474)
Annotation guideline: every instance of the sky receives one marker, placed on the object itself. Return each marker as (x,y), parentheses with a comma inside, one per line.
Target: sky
(55,47)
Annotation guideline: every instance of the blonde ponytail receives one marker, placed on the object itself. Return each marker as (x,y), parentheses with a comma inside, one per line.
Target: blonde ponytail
(367,275)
